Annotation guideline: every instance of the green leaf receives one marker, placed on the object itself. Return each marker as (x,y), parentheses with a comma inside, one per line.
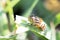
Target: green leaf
(57,19)
(58,35)
(34,29)
(39,35)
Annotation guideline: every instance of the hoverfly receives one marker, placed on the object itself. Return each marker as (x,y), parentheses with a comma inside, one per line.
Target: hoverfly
(38,22)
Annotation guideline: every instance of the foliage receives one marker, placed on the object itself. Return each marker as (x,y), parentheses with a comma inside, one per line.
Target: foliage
(9,26)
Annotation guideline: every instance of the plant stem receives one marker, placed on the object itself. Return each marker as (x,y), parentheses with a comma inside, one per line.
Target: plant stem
(10,15)
(53,32)
(29,11)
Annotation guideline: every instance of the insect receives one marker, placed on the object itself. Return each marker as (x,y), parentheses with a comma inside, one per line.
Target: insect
(38,22)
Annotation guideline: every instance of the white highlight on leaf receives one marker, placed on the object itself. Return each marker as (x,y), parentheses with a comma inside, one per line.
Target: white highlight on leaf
(20,18)
(21,29)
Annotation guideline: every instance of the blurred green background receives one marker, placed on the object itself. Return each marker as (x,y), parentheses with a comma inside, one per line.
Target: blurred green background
(48,10)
